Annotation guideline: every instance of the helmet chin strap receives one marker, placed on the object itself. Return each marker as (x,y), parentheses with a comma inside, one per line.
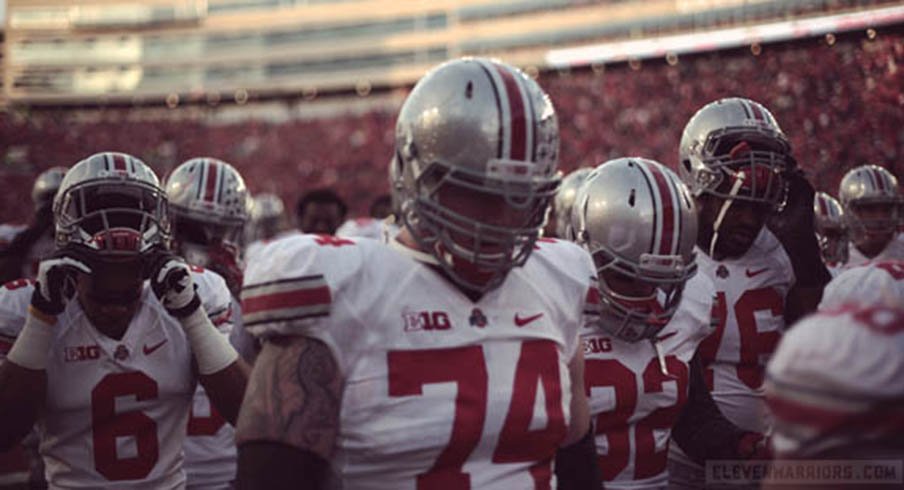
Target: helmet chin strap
(739,181)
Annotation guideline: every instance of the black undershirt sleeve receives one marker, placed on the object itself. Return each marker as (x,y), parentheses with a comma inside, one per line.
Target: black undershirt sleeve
(701,430)
(576,466)
(795,228)
(274,466)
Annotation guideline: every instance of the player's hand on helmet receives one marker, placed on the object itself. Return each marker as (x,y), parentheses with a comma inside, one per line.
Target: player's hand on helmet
(55,282)
(172,282)
(796,217)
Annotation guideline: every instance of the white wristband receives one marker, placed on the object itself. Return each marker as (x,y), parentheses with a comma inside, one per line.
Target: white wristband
(211,348)
(32,347)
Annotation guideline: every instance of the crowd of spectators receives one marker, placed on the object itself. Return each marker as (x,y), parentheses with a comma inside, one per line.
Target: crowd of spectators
(840,100)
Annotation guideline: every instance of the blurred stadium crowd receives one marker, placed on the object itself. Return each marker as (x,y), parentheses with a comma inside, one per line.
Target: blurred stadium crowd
(838,99)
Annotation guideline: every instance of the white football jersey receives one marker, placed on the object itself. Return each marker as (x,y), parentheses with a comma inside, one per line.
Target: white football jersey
(256,246)
(749,309)
(893,251)
(116,410)
(42,247)
(836,384)
(365,227)
(210,452)
(876,283)
(633,403)
(432,380)
(834,269)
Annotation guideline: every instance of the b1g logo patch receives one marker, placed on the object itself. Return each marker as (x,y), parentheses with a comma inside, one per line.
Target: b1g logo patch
(426,320)
(81,353)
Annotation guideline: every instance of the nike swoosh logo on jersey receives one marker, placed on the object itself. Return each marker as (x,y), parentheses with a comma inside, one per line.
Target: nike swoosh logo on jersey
(150,350)
(751,273)
(520,322)
(666,336)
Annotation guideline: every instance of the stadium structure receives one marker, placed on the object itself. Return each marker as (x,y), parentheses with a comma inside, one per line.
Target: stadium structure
(303,93)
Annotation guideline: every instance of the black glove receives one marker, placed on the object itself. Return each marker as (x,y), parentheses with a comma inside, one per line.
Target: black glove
(171,281)
(794,227)
(55,284)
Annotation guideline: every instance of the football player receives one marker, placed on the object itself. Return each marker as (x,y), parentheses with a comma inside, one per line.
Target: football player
(208,206)
(450,357)
(639,223)
(872,205)
(829,399)
(831,232)
(113,336)
(23,246)
(737,163)
(320,211)
(21,249)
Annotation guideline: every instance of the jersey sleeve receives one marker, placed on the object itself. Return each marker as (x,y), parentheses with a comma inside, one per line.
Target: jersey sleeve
(297,286)
(215,298)
(580,299)
(697,309)
(15,296)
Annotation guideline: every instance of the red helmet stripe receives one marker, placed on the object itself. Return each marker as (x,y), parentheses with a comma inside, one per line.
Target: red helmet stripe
(669,218)
(211,183)
(517,119)
(880,180)
(119,162)
(757,113)
(823,209)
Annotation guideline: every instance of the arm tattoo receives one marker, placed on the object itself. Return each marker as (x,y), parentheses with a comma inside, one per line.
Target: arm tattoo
(293,397)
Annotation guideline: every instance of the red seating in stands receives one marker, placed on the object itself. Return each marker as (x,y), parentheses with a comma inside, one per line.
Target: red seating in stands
(841,105)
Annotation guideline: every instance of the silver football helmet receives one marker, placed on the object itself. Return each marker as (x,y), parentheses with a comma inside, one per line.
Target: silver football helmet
(870,184)
(831,232)
(267,214)
(639,222)
(734,148)
(396,187)
(112,205)
(486,128)
(46,185)
(208,205)
(267,206)
(564,200)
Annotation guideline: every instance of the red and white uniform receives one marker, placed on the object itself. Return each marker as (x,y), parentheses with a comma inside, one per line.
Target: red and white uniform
(43,247)
(116,410)
(836,385)
(210,452)
(893,251)
(428,371)
(633,404)
(254,248)
(365,227)
(876,283)
(749,311)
